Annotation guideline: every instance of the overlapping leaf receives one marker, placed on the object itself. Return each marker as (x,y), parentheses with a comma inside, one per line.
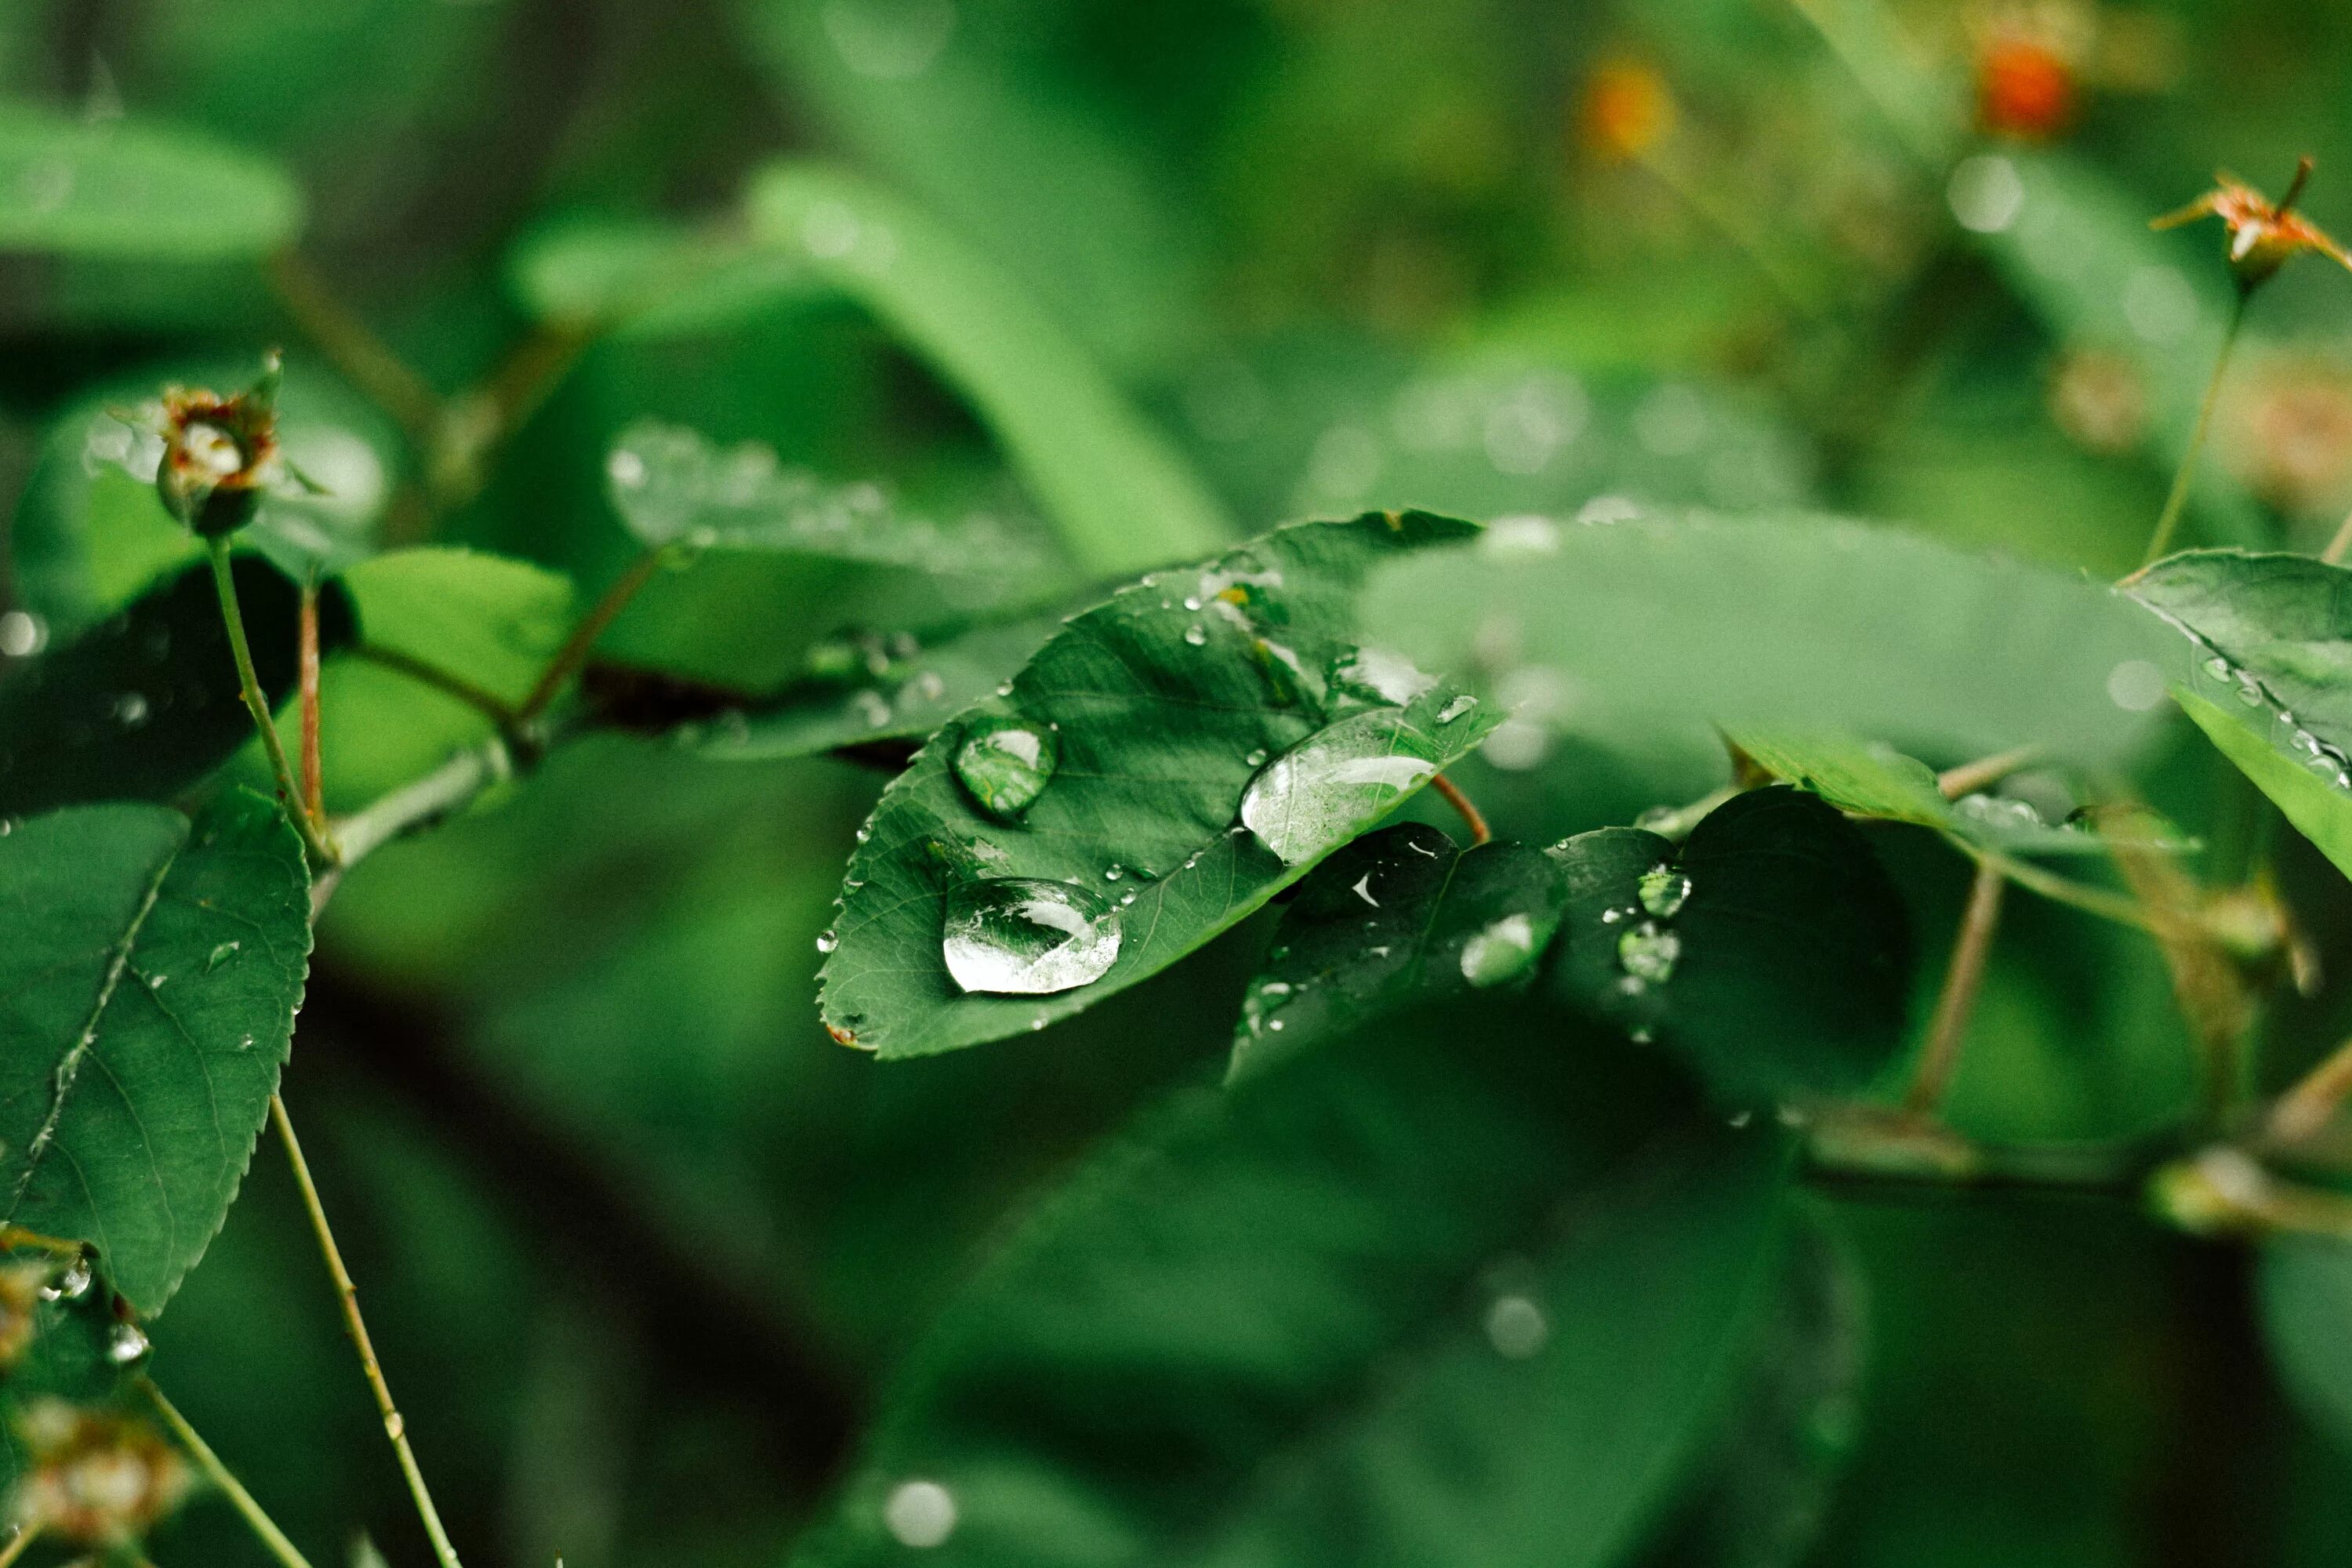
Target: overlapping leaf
(1460,1292)
(2307,1300)
(144,704)
(1770,947)
(1792,622)
(1164,703)
(1399,916)
(126,189)
(150,971)
(648,278)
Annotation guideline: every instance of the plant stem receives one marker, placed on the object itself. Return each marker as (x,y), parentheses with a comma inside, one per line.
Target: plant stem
(262,1525)
(369,362)
(257,704)
(314,787)
(488,704)
(575,650)
(19,1543)
(394,1426)
(436,795)
(2313,1101)
(1479,833)
(1962,980)
(2058,890)
(2334,555)
(1982,773)
(2169,519)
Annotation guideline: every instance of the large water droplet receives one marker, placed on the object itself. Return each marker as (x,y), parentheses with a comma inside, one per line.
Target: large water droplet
(826,941)
(1028,936)
(1320,793)
(920,1514)
(1368,677)
(1005,764)
(1662,890)
(1500,952)
(127,1344)
(1648,953)
(1455,708)
(71,1283)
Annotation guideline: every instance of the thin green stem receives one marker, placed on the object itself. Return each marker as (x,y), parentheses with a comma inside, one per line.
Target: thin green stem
(2058,890)
(1962,980)
(2313,1103)
(2169,520)
(262,1527)
(1982,773)
(18,1544)
(488,704)
(356,351)
(257,705)
(575,650)
(348,1295)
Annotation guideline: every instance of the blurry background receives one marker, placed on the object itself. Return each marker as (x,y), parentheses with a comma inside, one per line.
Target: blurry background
(637,1241)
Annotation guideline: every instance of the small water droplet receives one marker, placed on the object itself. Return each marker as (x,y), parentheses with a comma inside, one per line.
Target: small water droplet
(920,1514)
(130,709)
(245,1042)
(127,1344)
(1257,758)
(1455,708)
(1321,792)
(70,1283)
(1499,952)
(1363,890)
(1196,634)
(1367,677)
(156,982)
(1005,764)
(1028,936)
(1517,1327)
(826,941)
(221,954)
(1662,890)
(1113,874)
(1648,953)
(22,634)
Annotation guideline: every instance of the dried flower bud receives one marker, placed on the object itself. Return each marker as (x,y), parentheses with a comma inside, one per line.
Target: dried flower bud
(95,1478)
(220,454)
(2263,238)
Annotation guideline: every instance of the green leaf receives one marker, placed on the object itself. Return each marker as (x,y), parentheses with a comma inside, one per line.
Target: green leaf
(144,704)
(2271,637)
(1398,916)
(672,486)
(1865,780)
(1771,948)
(1462,1293)
(1801,623)
(1761,1498)
(129,190)
(2319,808)
(2305,1285)
(651,279)
(1120,496)
(150,971)
(1170,700)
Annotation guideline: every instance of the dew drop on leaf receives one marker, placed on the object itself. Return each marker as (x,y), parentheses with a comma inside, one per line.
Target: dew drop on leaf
(1368,677)
(1455,708)
(1517,1327)
(1662,890)
(1499,952)
(1320,793)
(1648,953)
(826,941)
(1196,634)
(127,1344)
(1005,764)
(220,955)
(1028,936)
(72,1282)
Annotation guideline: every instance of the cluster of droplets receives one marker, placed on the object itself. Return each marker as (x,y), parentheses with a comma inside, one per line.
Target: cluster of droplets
(2327,761)
(1649,947)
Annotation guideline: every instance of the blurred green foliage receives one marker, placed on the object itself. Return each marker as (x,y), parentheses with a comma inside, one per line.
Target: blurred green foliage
(641,1247)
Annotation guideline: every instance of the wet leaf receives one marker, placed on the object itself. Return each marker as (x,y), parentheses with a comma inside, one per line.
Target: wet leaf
(144,704)
(2320,811)
(1398,916)
(1170,699)
(1879,782)
(1507,1344)
(150,970)
(673,488)
(133,190)
(1637,627)
(1782,968)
